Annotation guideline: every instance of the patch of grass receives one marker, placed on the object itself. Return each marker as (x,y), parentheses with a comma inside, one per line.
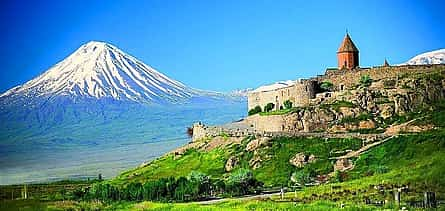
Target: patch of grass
(414,160)
(22,205)
(211,163)
(367,131)
(277,170)
(408,152)
(282,111)
(247,205)
(337,105)
(360,117)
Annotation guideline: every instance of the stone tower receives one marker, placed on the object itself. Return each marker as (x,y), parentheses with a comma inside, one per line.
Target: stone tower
(347,54)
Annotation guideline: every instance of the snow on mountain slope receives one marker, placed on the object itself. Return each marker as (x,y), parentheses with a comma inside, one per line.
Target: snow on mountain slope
(99,70)
(433,57)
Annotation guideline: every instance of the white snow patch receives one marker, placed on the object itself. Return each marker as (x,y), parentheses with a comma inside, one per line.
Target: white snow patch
(432,57)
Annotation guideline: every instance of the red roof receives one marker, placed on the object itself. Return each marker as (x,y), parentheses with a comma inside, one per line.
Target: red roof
(347,45)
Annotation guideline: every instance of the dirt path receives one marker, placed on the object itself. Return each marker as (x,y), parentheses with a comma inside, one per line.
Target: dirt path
(363,149)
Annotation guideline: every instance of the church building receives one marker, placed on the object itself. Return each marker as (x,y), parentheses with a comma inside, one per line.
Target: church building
(347,54)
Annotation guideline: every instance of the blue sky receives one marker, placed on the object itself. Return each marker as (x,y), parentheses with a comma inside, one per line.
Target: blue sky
(217,45)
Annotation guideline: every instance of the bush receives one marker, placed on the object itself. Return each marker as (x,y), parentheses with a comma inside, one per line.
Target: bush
(287,104)
(241,182)
(365,81)
(269,107)
(337,177)
(326,86)
(255,110)
(303,176)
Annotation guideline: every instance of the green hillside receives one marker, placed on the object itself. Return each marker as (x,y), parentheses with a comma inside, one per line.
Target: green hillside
(415,160)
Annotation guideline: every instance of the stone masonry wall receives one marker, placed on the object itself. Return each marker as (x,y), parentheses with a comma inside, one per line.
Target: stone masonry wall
(214,131)
(345,79)
(302,91)
(299,94)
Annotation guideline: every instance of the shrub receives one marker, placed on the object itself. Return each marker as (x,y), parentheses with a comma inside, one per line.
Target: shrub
(365,81)
(303,176)
(241,182)
(269,107)
(287,104)
(381,170)
(337,177)
(255,110)
(326,86)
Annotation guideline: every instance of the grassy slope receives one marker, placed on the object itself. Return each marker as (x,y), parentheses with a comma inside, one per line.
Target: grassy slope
(416,160)
(405,152)
(275,170)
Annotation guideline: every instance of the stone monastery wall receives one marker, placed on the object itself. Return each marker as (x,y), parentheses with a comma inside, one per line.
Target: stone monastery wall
(201,131)
(345,79)
(299,94)
(303,90)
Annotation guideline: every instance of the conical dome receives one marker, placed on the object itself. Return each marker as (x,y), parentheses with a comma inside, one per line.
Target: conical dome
(347,45)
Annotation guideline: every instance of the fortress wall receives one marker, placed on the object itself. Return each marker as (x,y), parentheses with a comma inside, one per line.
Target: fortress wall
(270,123)
(262,98)
(214,131)
(349,78)
(199,131)
(304,91)
(299,94)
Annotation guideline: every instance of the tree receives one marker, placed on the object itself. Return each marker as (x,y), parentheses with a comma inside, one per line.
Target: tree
(255,110)
(287,104)
(200,182)
(365,80)
(326,86)
(241,182)
(269,107)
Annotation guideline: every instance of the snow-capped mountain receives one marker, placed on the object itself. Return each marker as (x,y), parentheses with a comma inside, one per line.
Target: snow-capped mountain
(240,92)
(432,57)
(98,70)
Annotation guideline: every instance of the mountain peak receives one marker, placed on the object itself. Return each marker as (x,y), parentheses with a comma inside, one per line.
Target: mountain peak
(94,46)
(100,70)
(95,43)
(432,57)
